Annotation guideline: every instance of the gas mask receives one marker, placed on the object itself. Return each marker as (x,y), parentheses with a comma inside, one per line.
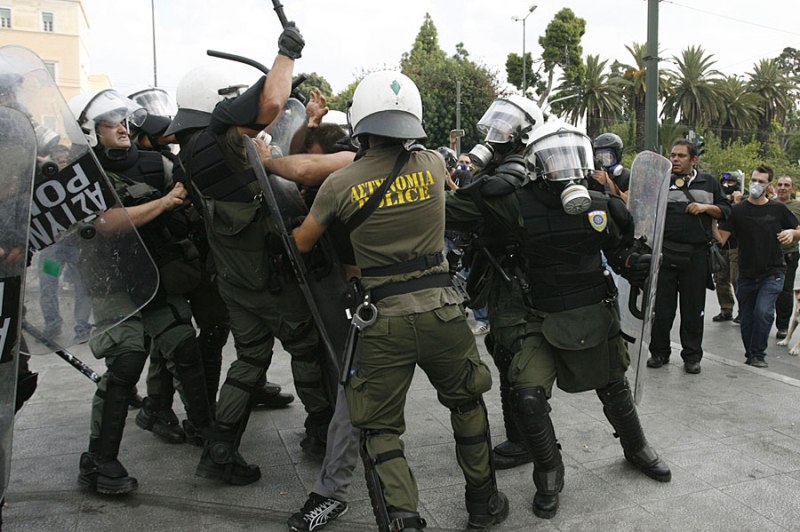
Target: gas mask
(607,160)
(481,155)
(561,156)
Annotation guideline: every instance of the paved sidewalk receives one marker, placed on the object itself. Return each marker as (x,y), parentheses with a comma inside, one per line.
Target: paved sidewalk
(731,436)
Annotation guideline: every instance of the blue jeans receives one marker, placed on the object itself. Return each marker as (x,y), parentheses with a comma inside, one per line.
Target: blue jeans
(757,298)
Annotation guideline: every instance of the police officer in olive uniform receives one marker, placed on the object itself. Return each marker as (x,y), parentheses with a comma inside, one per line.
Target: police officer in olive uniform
(151,202)
(397,239)
(254,276)
(495,275)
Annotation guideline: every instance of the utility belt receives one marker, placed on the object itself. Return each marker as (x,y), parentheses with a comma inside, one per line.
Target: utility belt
(607,291)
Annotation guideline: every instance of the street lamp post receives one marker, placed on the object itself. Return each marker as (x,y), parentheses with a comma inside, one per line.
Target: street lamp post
(517,19)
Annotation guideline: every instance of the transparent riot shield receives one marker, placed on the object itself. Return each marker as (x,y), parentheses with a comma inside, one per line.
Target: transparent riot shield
(18,153)
(88,268)
(647,203)
(281,131)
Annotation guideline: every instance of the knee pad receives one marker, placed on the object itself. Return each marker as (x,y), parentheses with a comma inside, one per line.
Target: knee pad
(531,402)
(127,368)
(615,393)
(187,353)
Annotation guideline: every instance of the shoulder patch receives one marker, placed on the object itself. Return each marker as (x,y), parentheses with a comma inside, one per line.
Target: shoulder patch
(598,220)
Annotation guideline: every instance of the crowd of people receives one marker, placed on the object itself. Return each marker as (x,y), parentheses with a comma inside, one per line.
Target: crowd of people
(536,216)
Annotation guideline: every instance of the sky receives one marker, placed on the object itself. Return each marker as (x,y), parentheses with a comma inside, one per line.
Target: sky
(347,37)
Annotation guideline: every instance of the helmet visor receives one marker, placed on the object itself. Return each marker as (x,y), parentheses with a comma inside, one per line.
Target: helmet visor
(605,158)
(560,156)
(156,102)
(501,121)
(111,108)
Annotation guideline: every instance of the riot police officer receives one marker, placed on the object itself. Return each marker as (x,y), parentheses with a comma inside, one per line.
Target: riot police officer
(495,277)
(152,202)
(253,276)
(392,201)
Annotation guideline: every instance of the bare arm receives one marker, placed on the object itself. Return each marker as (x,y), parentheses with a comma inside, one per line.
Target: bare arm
(723,236)
(304,168)
(788,236)
(276,89)
(113,220)
(307,234)
(704,208)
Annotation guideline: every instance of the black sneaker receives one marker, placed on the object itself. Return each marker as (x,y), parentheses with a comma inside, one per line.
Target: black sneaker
(738,319)
(723,316)
(781,334)
(317,512)
(759,363)
(656,362)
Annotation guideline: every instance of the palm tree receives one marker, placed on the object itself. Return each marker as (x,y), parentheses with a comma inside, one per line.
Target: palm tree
(693,97)
(635,89)
(739,111)
(775,92)
(598,98)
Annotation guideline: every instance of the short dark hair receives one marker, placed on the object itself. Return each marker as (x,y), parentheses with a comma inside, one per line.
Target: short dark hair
(689,145)
(326,135)
(764,169)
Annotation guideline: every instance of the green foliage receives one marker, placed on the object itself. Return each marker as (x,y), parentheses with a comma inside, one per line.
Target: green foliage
(514,70)
(561,44)
(339,101)
(693,96)
(436,75)
(315,80)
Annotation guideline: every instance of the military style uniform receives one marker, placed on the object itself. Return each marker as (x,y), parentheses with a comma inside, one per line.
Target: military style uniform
(253,275)
(571,334)
(420,319)
(139,179)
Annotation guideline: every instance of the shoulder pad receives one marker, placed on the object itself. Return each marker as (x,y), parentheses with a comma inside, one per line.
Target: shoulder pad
(508,177)
(619,212)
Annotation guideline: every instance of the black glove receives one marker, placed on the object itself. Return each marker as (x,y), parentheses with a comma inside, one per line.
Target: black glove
(638,269)
(291,43)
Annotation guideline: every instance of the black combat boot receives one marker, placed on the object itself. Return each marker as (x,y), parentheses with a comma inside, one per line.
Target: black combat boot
(221,459)
(619,409)
(405,521)
(486,506)
(189,371)
(269,395)
(160,420)
(100,470)
(532,414)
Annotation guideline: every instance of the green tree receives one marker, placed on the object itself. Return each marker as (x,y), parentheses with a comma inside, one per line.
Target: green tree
(693,96)
(776,93)
(514,70)
(436,75)
(739,109)
(339,101)
(561,44)
(598,98)
(635,89)
(315,80)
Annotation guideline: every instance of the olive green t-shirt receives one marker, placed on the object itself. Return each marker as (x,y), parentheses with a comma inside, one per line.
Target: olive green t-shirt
(794,207)
(408,223)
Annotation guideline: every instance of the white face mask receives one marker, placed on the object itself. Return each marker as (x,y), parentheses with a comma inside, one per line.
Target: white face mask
(757,190)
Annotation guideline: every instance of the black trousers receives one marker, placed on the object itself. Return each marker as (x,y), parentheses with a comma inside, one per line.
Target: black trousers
(785,303)
(687,283)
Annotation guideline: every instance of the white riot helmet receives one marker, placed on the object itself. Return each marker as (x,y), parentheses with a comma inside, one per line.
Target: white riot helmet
(510,118)
(106,106)
(156,101)
(388,104)
(560,154)
(198,93)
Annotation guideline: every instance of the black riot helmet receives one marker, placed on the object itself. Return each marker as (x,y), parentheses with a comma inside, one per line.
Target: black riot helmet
(731,181)
(608,142)
(449,155)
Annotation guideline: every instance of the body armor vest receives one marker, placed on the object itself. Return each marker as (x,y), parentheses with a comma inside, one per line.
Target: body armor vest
(562,251)
(208,172)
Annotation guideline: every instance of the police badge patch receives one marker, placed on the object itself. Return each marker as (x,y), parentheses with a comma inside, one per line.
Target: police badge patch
(598,220)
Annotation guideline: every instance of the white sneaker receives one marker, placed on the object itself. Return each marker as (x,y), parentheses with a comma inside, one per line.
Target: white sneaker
(480,328)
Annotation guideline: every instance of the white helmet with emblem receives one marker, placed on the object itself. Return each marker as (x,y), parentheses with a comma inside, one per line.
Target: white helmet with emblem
(387,103)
